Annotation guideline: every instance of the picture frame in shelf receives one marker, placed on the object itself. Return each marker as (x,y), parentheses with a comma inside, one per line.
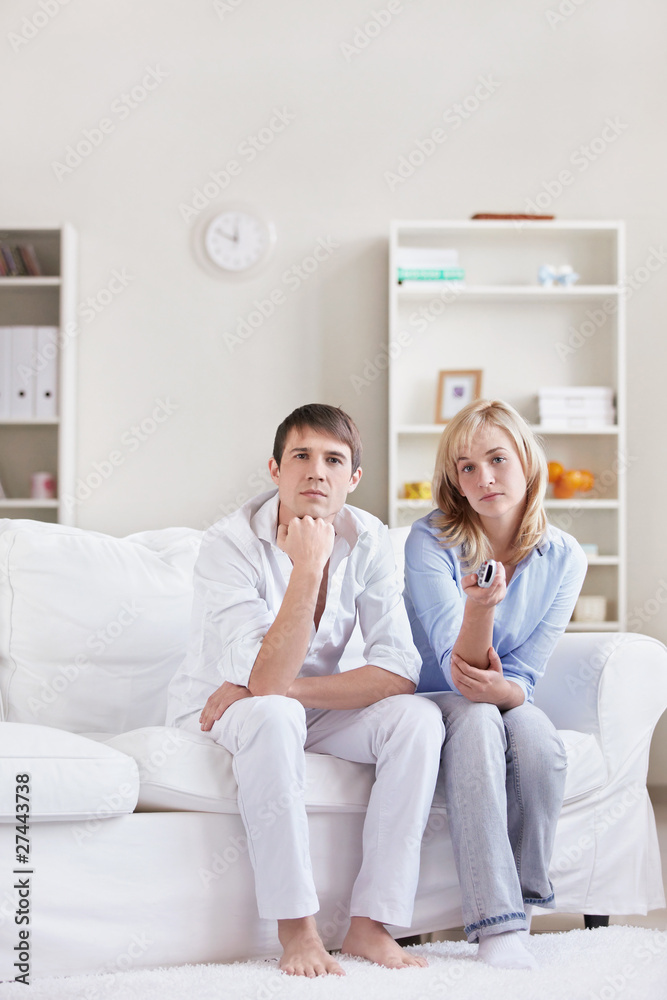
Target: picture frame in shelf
(455,390)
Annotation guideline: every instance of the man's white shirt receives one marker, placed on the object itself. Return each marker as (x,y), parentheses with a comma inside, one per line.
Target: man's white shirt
(240,580)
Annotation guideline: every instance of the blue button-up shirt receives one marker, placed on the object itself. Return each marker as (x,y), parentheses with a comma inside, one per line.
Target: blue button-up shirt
(538,604)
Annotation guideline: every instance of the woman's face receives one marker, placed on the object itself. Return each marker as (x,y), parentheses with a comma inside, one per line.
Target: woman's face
(491,477)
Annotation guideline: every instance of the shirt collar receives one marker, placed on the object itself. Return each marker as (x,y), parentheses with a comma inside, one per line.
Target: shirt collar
(549,538)
(265,519)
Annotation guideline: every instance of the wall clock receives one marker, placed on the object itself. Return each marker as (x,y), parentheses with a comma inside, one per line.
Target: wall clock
(236,241)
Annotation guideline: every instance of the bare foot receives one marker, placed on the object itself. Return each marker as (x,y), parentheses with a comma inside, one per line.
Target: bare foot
(369,939)
(303,951)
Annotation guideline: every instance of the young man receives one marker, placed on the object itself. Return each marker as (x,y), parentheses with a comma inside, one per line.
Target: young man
(278,587)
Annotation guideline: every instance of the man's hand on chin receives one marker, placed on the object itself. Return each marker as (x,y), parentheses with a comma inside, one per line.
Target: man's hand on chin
(219,702)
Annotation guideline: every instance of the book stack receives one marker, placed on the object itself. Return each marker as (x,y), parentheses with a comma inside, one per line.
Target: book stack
(19,260)
(570,408)
(428,264)
(28,372)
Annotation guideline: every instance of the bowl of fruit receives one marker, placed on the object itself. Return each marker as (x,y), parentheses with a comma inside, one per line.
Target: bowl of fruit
(567,482)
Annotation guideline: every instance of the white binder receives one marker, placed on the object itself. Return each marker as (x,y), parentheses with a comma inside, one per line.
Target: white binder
(5,369)
(22,404)
(46,365)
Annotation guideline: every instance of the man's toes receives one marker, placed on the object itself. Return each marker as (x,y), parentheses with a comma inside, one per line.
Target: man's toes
(396,962)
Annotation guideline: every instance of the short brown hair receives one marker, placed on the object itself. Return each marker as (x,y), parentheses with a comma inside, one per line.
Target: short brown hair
(320,417)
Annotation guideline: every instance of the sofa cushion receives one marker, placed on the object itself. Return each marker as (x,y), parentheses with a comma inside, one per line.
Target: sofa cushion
(91,627)
(71,777)
(187,771)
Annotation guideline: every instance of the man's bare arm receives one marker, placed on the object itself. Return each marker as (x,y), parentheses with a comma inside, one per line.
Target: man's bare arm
(308,543)
(350,689)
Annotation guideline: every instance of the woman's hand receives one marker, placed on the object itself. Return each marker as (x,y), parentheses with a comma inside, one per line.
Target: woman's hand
(485,597)
(219,702)
(488,685)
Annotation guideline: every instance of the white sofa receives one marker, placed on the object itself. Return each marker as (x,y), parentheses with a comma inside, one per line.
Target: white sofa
(138,855)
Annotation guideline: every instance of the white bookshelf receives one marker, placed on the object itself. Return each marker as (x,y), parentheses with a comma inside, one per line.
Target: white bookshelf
(42,444)
(523,337)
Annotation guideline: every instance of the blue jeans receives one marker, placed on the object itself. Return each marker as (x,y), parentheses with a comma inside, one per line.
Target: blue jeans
(504,778)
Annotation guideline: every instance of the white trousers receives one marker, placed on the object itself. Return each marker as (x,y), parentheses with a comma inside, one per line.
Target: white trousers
(402,735)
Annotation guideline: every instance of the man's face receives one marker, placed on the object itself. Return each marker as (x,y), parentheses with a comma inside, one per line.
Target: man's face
(315,475)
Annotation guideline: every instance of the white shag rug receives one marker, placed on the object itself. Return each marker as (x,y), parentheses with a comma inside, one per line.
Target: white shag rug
(613,963)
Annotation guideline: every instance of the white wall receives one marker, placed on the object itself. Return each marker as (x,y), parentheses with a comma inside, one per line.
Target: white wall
(557,78)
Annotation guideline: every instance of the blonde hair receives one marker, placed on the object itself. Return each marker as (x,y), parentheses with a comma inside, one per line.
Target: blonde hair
(459,523)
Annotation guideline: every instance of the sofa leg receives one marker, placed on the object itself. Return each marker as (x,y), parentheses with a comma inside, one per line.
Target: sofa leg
(591,921)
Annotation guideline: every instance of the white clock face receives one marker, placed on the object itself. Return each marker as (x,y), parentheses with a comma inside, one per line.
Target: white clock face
(236,241)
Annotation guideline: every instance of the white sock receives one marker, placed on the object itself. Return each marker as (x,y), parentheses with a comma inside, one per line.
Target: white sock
(505,951)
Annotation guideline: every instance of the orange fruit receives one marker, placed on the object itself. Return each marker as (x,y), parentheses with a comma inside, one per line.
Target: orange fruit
(562,491)
(572,478)
(588,480)
(555,471)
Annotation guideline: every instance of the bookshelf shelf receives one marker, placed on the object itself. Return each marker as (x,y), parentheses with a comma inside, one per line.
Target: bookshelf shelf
(41,443)
(523,337)
(28,283)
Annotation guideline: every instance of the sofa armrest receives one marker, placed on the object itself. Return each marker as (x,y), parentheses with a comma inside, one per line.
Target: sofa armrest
(613,685)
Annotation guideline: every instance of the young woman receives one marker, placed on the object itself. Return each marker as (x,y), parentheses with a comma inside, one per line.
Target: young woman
(483,651)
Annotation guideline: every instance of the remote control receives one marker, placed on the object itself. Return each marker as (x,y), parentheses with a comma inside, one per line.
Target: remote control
(486,573)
